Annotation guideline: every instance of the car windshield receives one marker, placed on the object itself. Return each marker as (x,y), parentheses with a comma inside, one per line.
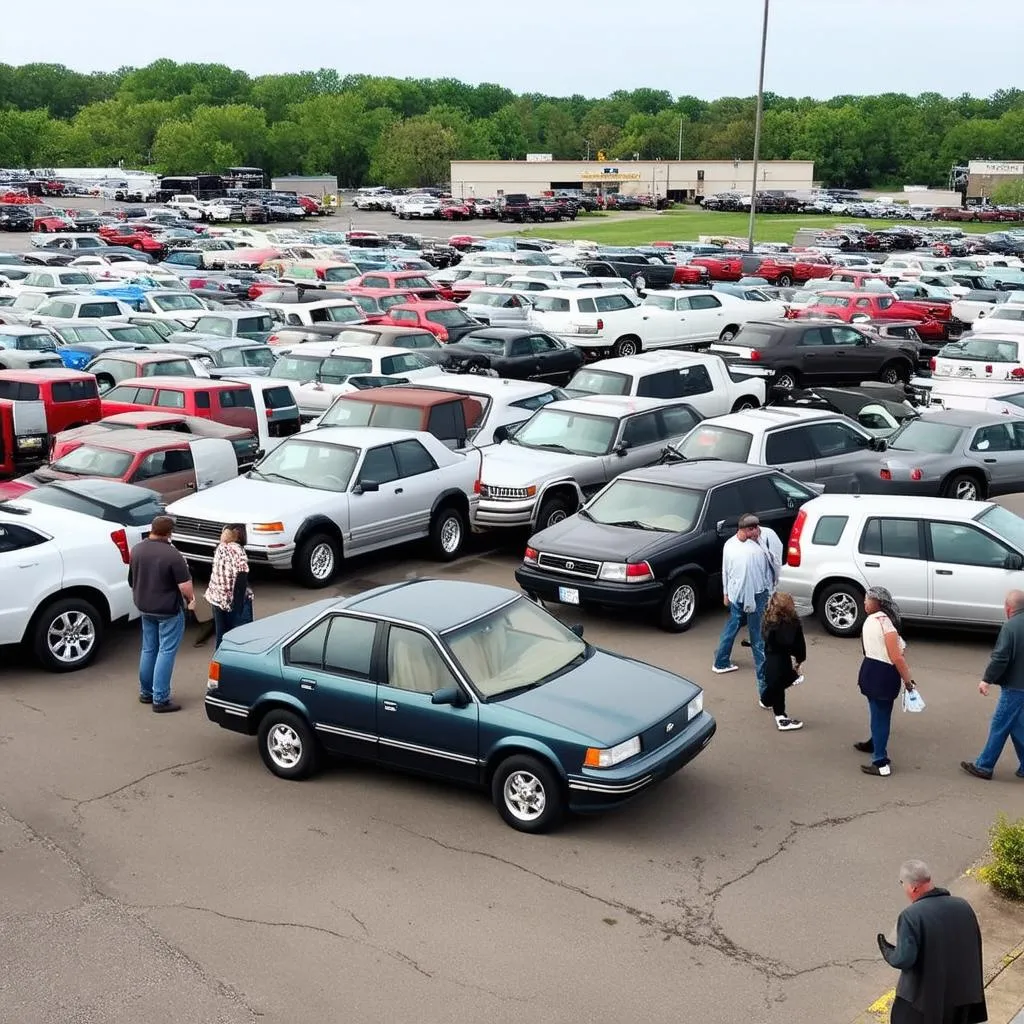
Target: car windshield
(926,436)
(352,413)
(996,351)
(76,277)
(646,506)
(515,647)
(134,334)
(495,299)
(301,463)
(709,441)
(1007,314)
(566,431)
(601,382)
(661,301)
(340,273)
(337,369)
(550,304)
(1005,523)
(88,461)
(483,344)
(343,314)
(302,369)
(450,317)
(183,301)
(39,342)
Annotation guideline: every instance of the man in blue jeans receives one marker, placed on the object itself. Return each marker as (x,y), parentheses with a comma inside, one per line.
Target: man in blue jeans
(162,588)
(749,575)
(1006,670)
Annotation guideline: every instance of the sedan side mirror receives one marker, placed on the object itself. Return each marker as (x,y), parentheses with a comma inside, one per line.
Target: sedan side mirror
(621,448)
(1014,563)
(577,628)
(452,695)
(501,434)
(366,487)
(878,444)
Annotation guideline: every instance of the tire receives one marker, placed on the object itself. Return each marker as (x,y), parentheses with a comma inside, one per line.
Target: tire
(639,282)
(316,560)
(786,379)
(448,533)
(66,635)
(552,511)
(841,609)
(680,607)
(894,373)
(287,745)
(528,795)
(785,280)
(629,345)
(964,487)
(729,333)
(745,403)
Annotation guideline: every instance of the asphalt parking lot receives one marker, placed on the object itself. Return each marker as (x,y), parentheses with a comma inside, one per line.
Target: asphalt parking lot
(151,869)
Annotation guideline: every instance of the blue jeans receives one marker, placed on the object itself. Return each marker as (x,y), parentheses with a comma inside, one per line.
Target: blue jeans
(733,625)
(161,638)
(880,715)
(1007,721)
(224,621)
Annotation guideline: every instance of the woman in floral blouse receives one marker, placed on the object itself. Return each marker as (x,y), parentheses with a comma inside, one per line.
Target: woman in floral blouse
(228,593)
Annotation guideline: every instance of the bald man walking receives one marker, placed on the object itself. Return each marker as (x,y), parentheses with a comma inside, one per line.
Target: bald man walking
(1005,670)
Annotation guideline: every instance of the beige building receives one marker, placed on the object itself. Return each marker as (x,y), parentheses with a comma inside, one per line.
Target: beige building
(985,175)
(682,180)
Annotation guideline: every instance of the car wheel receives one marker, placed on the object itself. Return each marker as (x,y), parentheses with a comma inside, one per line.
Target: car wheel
(729,333)
(553,511)
(893,373)
(287,744)
(66,635)
(785,280)
(528,794)
(316,560)
(680,606)
(964,487)
(746,403)
(627,346)
(786,380)
(841,609)
(448,533)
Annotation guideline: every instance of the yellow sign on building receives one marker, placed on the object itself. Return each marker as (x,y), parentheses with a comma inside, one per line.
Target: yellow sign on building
(611,176)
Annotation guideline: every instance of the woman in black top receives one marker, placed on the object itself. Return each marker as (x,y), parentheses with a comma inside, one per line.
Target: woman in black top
(784,653)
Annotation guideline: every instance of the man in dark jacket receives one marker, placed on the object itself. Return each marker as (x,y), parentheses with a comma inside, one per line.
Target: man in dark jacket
(938,952)
(1005,670)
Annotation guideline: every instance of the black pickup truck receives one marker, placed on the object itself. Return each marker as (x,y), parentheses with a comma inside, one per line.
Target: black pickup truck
(641,271)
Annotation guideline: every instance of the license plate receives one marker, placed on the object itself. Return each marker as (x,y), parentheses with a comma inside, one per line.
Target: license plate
(965,371)
(568,595)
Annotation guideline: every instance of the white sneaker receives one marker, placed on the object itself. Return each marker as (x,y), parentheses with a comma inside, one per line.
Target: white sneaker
(788,724)
(798,680)
(761,704)
(728,668)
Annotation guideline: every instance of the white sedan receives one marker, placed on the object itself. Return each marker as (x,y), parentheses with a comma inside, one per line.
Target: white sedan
(712,315)
(1007,318)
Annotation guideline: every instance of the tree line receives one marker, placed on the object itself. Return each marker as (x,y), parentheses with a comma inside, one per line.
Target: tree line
(189,118)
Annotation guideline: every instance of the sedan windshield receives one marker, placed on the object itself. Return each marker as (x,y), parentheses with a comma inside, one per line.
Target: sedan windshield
(183,301)
(88,461)
(302,369)
(340,273)
(39,342)
(646,506)
(352,413)
(450,317)
(517,647)
(712,442)
(325,467)
(922,435)
(337,369)
(564,431)
(601,382)
(135,334)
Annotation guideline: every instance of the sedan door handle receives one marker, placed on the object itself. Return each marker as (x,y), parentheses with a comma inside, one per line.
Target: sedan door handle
(27,565)
(307,684)
(943,572)
(398,490)
(992,460)
(390,705)
(873,565)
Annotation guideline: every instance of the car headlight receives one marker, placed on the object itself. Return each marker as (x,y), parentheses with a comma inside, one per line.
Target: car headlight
(609,757)
(30,442)
(695,707)
(268,527)
(626,572)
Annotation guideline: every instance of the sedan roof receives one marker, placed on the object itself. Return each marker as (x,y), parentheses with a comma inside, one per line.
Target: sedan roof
(439,605)
(697,473)
(964,418)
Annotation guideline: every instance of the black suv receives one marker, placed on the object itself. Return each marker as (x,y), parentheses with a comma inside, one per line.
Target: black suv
(799,352)
(641,271)
(653,538)
(15,217)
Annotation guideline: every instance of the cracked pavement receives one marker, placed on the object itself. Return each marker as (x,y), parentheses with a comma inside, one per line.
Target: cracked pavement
(152,870)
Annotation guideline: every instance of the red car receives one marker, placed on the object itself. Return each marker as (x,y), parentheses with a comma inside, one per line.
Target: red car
(787,270)
(727,267)
(455,209)
(934,320)
(133,238)
(389,280)
(46,220)
(446,321)
(688,273)
(313,207)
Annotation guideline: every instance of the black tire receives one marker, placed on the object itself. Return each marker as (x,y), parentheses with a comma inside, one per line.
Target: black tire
(785,280)
(786,379)
(840,609)
(66,635)
(553,510)
(536,783)
(288,745)
(728,333)
(628,345)
(745,403)
(316,560)
(448,531)
(964,487)
(679,609)
(894,373)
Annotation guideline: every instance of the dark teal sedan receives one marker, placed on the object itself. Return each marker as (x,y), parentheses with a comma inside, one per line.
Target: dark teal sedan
(463,681)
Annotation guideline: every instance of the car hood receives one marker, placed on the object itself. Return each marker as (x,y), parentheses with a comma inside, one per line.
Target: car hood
(512,465)
(244,498)
(583,538)
(607,699)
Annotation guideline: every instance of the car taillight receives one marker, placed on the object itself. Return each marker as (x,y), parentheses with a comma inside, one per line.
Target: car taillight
(755,355)
(916,474)
(793,550)
(442,334)
(988,369)
(931,363)
(885,474)
(530,556)
(1017,372)
(638,572)
(120,539)
(600,324)
(478,485)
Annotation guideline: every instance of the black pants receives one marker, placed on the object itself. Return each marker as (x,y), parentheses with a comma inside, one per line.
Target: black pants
(775,695)
(904,1013)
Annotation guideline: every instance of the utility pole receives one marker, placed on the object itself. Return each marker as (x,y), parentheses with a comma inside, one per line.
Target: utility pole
(757,129)
(680,157)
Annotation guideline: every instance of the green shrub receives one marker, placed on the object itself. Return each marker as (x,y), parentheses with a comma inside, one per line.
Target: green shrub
(1006,871)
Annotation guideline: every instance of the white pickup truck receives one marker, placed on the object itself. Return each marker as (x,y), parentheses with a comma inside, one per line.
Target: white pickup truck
(188,206)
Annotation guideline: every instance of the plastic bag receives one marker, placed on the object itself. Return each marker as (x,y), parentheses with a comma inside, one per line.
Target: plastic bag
(913,701)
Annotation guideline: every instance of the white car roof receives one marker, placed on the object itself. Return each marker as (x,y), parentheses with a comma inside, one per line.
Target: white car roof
(767,418)
(613,405)
(904,506)
(649,362)
(358,437)
(491,387)
(582,293)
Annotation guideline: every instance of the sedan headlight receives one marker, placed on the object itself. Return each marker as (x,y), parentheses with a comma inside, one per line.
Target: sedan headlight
(609,757)
(695,707)
(30,442)
(626,572)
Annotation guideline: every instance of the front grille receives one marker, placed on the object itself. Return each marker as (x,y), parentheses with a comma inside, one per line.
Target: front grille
(506,493)
(665,731)
(570,566)
(185,525)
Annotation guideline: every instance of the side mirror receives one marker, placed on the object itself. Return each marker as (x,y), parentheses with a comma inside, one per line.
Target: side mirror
(1014,563)
(501,434)
(725,528)
(621,448)
(449,695)
(260,453)
(577,628)
(366,487)
(104,382)
(878,444)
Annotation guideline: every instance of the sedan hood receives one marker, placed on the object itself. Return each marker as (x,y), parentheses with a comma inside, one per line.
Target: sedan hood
(513,465)
(583,538)
(608,699)
(244,498)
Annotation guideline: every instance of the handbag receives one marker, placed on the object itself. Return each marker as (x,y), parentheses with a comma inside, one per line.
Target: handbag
(913,701)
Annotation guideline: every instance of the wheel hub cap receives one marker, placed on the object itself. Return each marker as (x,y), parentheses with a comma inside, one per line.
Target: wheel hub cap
(321,561)
(682,605)
(71,637)
(841,610)
(284,746)
(524,796)
(451,535)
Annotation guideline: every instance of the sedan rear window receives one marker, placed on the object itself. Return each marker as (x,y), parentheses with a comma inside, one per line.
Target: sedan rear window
(348,413)
(88,461)
(713,442)
(754,337)
(449,317)
(337,369)
(921,435)
(601,382)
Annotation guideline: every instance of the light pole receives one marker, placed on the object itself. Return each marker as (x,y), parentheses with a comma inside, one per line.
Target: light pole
(587,141)
(757,129)
(680,157)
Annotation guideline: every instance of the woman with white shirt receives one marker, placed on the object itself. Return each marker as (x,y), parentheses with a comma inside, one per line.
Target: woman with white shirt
(882,672)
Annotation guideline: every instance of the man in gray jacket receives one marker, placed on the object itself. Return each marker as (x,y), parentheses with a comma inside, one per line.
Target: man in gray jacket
(1005,670)
(938,954)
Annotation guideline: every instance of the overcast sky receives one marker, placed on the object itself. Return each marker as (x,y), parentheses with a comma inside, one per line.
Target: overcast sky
(698,47)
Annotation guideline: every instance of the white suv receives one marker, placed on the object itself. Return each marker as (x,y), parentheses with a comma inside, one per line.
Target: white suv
(943,560)
(65,580)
